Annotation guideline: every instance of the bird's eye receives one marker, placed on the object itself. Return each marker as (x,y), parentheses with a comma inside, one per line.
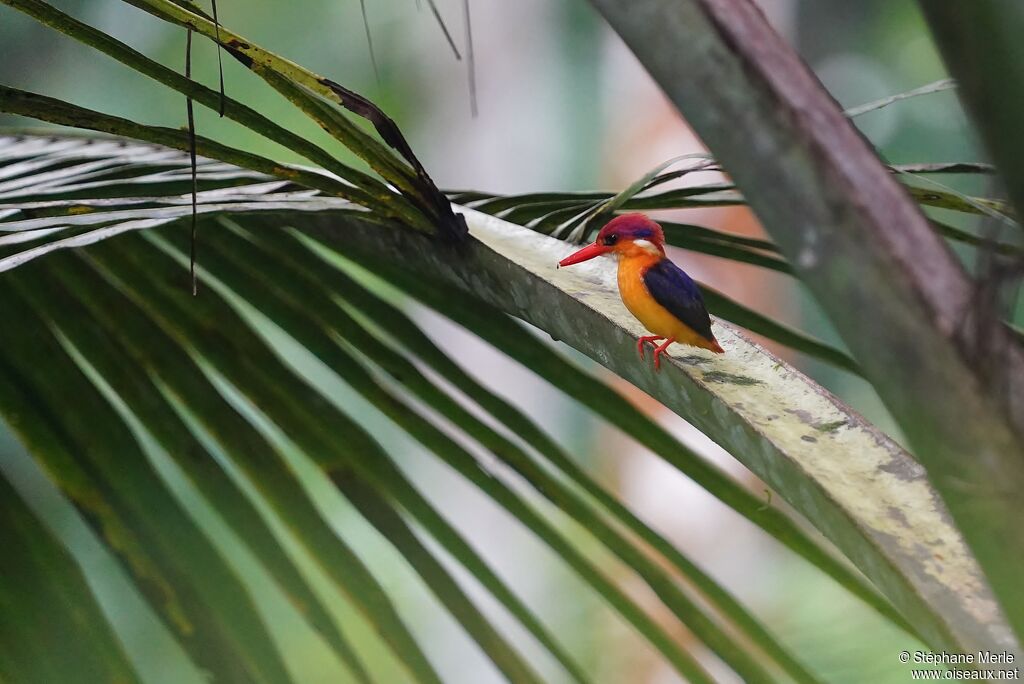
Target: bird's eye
(611,239)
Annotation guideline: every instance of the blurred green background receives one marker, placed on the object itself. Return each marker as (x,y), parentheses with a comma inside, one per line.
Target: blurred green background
(562,106)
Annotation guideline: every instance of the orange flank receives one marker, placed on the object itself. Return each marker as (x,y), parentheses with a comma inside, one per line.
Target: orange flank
(656,318)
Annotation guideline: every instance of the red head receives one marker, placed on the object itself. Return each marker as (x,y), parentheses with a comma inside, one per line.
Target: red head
(624,235)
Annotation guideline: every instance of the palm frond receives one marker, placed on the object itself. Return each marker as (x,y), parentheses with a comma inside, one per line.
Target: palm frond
(40,574)
(113,354)
(108,476)
(585,303)
(130,296)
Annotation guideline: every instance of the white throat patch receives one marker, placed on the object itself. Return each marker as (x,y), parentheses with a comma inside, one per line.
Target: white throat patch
(647,246)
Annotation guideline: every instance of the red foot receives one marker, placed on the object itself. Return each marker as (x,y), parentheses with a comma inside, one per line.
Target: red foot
(658,351)
(644,340)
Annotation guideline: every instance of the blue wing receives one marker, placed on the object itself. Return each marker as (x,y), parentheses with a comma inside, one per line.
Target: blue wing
(676,291)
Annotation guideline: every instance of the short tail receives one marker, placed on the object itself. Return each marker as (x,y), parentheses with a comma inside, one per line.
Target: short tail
(712,345)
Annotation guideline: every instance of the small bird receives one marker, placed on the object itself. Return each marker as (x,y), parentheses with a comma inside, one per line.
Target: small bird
(654,289)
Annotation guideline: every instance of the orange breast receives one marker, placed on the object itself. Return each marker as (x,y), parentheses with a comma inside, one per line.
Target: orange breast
(641,304)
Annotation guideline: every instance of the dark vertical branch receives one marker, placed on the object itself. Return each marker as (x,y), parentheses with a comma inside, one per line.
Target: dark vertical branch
(220,62)
(470,58)
(980,42)
(369,40)
(192,160)
(898,296)
(444,28)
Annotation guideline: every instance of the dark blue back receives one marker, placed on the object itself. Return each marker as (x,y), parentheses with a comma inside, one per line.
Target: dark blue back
(676,291)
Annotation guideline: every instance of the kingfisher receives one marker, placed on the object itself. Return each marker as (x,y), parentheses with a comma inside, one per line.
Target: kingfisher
(660,294)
